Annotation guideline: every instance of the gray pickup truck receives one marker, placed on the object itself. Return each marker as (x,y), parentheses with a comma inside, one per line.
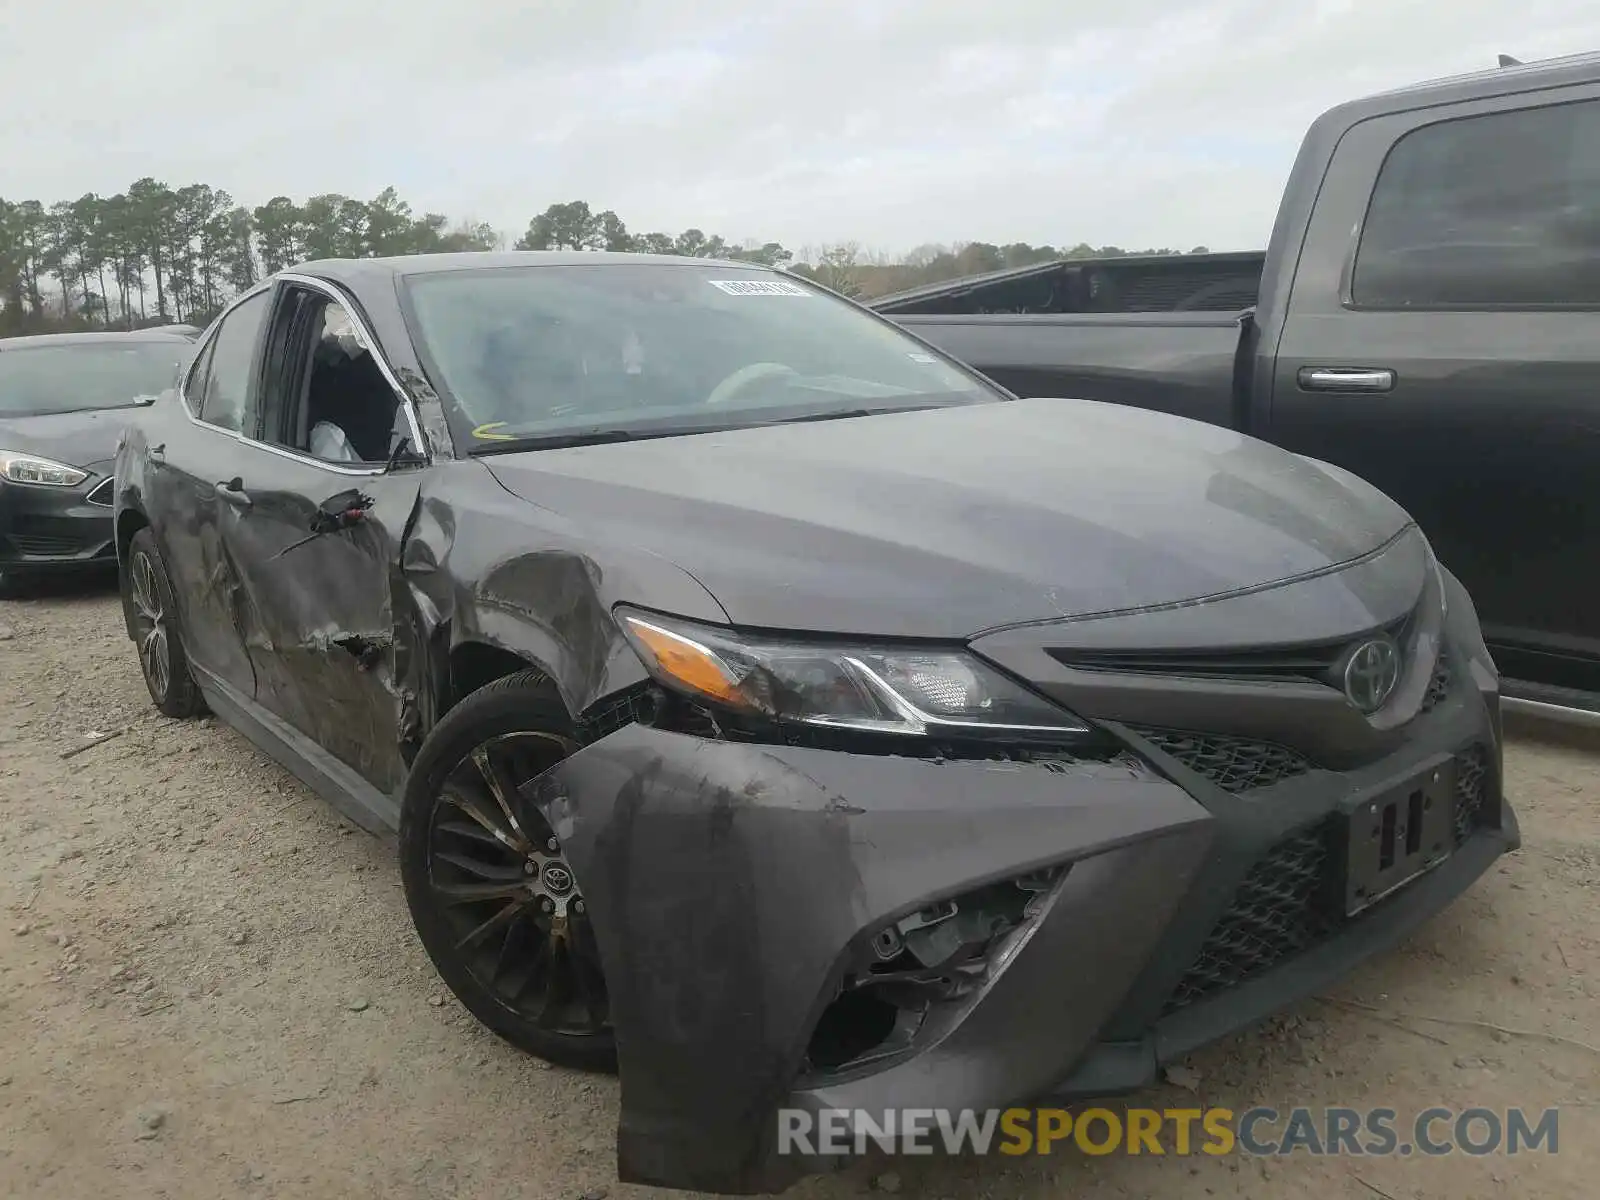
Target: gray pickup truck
(1426,315)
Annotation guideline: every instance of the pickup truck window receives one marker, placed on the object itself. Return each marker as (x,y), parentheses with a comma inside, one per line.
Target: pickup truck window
(1497,210)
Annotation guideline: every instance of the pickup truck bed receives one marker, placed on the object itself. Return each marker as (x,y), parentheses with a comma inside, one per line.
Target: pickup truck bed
(1180,363)
(1127,283)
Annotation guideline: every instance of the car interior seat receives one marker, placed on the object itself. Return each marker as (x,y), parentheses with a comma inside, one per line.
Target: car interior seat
(350,409)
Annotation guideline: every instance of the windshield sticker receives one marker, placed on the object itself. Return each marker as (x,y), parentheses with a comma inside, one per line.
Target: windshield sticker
(489,432)
(758,287)
(920,357)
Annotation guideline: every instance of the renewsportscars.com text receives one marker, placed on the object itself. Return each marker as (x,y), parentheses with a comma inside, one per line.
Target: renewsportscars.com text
(1257,1131)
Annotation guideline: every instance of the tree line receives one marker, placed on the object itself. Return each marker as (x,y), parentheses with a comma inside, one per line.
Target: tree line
(155,255)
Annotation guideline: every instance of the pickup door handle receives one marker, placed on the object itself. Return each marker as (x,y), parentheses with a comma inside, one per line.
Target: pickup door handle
(232,492)
(157,455)
(1346,379)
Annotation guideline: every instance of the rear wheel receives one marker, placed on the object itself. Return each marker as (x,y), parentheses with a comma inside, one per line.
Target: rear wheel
(153,617)
(497,906)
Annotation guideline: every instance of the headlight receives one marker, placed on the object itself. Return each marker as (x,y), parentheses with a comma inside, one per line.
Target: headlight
(29,468)
(873,689)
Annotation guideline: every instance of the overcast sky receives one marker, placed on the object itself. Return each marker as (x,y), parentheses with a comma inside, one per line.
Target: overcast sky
(890,122)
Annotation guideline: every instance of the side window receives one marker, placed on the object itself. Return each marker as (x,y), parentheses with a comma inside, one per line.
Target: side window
(336,404)
(1495,210)
(194,385)
(228,363)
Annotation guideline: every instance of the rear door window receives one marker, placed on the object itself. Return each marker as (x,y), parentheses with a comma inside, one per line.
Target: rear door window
(229,366)
(1500,210)
(194,387)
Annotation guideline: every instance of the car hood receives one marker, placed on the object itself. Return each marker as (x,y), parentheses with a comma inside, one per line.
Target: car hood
(948,522)
(78,439)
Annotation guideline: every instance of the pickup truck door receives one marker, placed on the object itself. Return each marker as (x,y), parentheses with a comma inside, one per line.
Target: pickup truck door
(1442,340)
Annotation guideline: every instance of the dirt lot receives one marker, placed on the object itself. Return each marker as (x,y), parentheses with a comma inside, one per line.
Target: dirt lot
(209,988)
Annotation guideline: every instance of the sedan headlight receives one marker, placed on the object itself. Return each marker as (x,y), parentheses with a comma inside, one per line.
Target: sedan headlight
(30,468)
(873,689)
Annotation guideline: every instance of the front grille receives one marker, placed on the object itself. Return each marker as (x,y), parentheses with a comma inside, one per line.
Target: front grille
(101,494)
(32,543)
(1302,664)
(1473,810)
(1308,662)
(1234,764)
(1288,901)
(1281,909)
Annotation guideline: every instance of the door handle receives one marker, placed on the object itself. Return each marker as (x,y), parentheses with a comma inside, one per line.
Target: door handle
(1346,379)
(157,455)
(232,492)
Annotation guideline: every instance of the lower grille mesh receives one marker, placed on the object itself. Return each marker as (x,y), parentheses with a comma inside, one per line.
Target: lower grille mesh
(1279,910)
(1288,901)
(30,543)
(1472,793)
(1234,764)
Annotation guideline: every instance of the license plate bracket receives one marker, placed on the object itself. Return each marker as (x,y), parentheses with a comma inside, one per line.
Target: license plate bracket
(1397,834)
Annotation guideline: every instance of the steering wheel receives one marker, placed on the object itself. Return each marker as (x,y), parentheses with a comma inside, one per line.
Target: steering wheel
(735,383)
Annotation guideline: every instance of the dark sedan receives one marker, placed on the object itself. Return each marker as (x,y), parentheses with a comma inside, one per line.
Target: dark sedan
(773,708)
(64,400)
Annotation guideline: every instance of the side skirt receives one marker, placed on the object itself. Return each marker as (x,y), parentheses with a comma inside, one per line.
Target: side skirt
(344,790)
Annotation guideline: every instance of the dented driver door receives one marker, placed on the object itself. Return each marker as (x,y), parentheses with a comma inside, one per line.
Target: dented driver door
(316,548)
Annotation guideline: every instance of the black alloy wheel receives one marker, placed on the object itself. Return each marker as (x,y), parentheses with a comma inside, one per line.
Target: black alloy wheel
(498,907)
(153,620)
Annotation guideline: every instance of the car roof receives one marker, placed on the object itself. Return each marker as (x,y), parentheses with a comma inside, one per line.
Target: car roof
(159,333)
(358,271)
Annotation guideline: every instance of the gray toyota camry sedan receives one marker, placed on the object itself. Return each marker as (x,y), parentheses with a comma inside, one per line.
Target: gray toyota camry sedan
(773,709)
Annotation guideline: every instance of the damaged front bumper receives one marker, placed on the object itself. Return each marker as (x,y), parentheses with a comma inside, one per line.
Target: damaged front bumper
(741,894)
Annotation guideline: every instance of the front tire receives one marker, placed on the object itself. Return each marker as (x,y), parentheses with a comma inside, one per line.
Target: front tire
(153,617)
(497,907)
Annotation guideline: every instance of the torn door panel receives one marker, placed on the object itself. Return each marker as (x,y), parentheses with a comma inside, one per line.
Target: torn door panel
(429,409)
(324,632)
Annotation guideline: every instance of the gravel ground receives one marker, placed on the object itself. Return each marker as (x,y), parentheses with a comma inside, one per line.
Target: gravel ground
(209,988)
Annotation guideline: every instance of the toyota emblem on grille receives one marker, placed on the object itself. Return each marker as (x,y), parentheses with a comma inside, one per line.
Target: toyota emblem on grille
(1371,672)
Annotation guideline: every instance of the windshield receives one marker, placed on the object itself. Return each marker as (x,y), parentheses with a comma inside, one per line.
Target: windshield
(89,375)
(631,349)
